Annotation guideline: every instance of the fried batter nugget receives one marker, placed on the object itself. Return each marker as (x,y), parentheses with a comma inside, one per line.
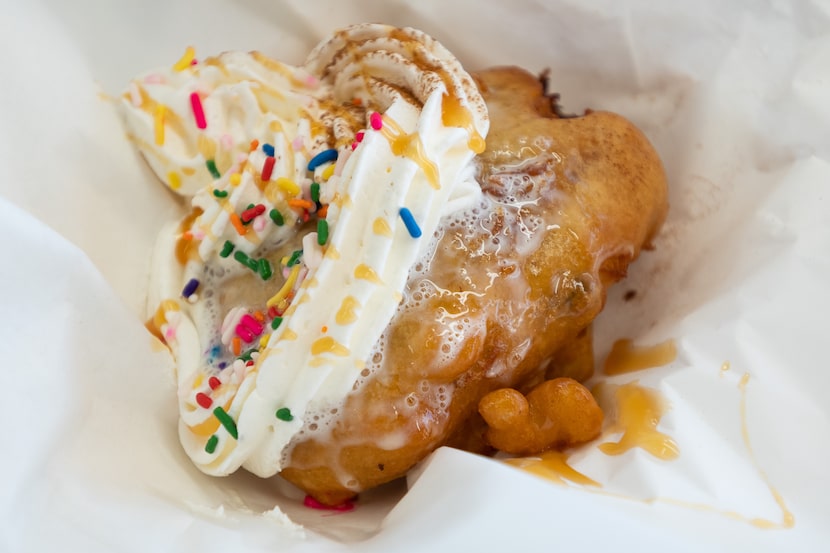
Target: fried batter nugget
(506,300)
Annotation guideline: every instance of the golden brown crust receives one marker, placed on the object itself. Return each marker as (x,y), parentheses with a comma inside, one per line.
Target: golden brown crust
(599,189)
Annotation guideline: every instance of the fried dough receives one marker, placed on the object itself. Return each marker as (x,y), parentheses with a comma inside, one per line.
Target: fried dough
(508,295)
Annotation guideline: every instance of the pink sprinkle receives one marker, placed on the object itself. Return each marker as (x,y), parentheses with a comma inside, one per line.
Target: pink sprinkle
(314,504)
(170,334)
(358,137)
(154,78)
(246,335)
(260,223)
(194,61)
(354,145)
(250,324)
(198,111)
(311,80)
(226,141)
(376,120)
(297,144)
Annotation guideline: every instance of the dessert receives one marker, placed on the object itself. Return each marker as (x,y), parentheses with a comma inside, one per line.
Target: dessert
(384,254)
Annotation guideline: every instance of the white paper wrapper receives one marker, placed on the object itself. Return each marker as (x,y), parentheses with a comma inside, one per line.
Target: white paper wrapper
(734,97)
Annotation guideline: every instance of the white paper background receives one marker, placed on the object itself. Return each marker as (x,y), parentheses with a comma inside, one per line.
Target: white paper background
(735,100)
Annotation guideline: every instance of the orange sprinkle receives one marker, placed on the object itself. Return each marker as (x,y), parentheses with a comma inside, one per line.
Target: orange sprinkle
(323,211)
(357,101)
(254,144)
(236,345)
(237,224)
(259,316)
(187,235)
(324,329)
(301,203)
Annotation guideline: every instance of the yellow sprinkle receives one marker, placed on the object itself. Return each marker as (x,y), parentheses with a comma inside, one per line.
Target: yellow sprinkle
(289,334)
(331,252)
(189,171)
(186,59)
(328,172)
(289,284)
(288,186)
(158,123)
(365,272)
(236,178)
(264,340)
(198,380)
(175,180)
(327,344)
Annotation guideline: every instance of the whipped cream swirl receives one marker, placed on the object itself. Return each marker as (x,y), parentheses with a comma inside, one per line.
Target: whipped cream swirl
(373,139)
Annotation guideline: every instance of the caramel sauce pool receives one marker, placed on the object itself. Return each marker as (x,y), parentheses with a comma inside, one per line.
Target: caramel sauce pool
(637,415)
(625,357)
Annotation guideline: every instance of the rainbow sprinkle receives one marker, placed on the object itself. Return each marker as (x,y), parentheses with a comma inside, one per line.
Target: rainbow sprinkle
(204,400)
(198,110)
(190,288)
(276,216)
(268,168)
(322,232)
(211,167)
(323,157)
(410,223)
(186,60)
(265,270)
(376,121)
(226,421)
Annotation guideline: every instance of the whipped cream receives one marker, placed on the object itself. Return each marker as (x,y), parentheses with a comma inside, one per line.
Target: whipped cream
(315,189)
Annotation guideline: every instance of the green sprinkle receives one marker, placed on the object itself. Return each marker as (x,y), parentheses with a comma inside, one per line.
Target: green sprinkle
(211,165)
(226,249)
(220,193)
(295,258)
(275,324)
(246,356)
(315,192)
(276,216)
(265,269)
(322,232)
(226,421)
(243,258)
(284,414)
(210,446)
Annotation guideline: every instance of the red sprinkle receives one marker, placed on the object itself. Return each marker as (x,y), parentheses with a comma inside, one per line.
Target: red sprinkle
(214,382)
(250,214)
(268,167)
(244,333)
(376,120)
(358,137)
(251,324)
(198,111)
(204,400)
(314,504)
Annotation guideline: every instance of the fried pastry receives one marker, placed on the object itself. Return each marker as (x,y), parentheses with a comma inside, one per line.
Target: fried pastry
(361,280)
